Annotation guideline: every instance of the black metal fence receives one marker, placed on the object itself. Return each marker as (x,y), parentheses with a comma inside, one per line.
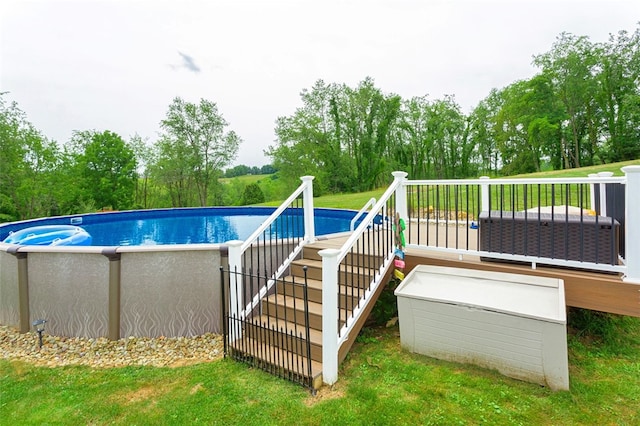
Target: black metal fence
(266,324)
(363,261)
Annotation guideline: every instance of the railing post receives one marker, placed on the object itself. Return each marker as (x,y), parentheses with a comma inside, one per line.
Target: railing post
(236,299)
(401,194)
(329,315)
(484,194)
(632,224)
(592,193)
(307,198)
(603,193)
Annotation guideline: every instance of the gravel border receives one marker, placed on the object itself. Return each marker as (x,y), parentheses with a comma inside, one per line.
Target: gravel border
(104,353)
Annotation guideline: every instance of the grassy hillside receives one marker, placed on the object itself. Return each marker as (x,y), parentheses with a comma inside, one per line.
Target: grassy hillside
(585,171)
(357,200)
(341,201)
(245,180)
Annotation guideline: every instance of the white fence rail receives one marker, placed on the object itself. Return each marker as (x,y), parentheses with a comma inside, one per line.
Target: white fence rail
(587,223)
(267,252)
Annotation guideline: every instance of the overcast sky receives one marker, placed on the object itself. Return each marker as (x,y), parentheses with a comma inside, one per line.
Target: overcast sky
(117,65)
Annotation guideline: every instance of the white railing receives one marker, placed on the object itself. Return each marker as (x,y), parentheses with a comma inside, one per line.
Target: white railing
(378,249)
(437,206)
(262,245)
(370,203)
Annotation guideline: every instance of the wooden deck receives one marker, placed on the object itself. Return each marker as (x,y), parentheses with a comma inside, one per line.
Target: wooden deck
(604,292)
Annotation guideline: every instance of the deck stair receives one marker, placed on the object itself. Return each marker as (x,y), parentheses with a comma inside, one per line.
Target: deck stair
(274,335)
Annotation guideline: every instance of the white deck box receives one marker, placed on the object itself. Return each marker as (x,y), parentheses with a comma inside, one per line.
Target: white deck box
(515,324)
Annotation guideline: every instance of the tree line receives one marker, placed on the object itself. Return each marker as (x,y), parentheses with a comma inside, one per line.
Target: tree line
(581,108)
(96,170)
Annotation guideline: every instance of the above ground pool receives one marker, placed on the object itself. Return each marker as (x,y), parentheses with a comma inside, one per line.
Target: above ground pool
(146,273)
(187,225)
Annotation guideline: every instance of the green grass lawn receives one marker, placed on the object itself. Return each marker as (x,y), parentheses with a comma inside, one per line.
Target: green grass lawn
(379,384)
(340,201)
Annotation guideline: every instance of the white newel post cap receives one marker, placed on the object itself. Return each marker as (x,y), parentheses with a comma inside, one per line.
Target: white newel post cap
(399,174)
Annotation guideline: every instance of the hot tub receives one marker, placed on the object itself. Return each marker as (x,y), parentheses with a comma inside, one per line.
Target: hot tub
(515,324)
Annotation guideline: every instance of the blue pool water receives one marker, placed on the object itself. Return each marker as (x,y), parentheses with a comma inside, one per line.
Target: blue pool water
(189,225)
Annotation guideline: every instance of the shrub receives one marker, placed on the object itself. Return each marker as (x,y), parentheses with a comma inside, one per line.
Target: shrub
(252,194)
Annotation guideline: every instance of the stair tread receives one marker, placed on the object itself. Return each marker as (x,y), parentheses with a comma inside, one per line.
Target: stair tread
(311,283)
(315,309)
(325,244)
(331,243)
(317,284)
(290,302)
(312,263)
(314,335)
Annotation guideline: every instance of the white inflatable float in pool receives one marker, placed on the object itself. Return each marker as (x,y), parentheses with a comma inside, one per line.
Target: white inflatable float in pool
(54,235)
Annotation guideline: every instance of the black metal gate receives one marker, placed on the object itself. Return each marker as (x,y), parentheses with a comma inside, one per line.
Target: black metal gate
(266,324)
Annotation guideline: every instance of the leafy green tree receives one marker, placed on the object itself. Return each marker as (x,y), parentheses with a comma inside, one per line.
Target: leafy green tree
(571,67)
(145,158)
(369,117)
(194,149)
(341,135)
(527,125)
(453,148)
(618,94)
(172,170)
(107,166)
(27,167)
(482,134)
(309,142)
(414,151)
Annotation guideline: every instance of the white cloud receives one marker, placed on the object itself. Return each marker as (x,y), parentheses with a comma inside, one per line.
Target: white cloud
(108,64)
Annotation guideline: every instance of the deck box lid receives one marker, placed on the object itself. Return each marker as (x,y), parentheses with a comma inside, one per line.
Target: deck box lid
(521,295)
